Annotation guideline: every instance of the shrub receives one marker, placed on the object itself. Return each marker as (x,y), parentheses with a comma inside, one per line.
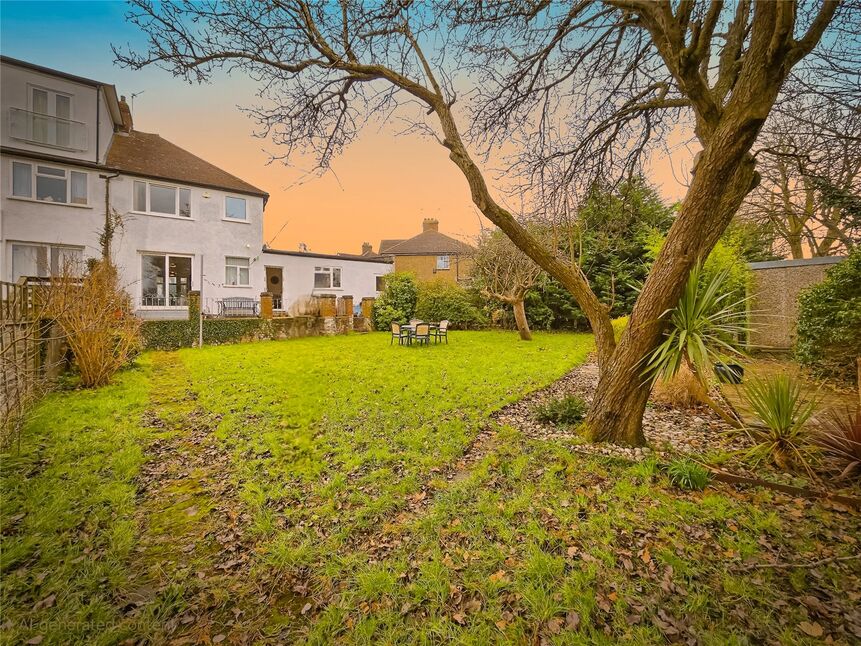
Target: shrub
(569,409)
(397,303)
(781,434)
(687,474)
(619,325)
(840,439)
(683,390)
(97,319)
(439,299)
(829,321)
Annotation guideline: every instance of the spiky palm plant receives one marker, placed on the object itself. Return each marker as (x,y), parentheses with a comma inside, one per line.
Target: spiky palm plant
(706,324)
(781,433)
(840,439)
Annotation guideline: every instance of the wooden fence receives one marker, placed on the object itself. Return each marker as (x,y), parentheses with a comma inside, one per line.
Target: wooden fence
(22,351)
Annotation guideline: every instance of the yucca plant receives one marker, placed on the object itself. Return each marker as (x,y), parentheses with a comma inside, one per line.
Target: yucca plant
(706,324)
(840,439)
(781,433)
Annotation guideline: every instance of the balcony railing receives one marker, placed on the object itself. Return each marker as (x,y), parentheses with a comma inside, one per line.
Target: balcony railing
(46,130)
(171,300)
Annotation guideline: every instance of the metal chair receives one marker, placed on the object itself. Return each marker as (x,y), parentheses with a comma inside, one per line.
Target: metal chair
(422,333)
(399,334)
(415,322)
(441,332)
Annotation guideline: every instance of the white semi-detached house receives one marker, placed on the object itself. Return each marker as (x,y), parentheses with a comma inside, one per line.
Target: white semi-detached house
(69,148)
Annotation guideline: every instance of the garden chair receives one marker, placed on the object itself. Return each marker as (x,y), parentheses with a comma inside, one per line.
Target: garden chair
(441,332)
(422,333)
(415,322)
(400,334)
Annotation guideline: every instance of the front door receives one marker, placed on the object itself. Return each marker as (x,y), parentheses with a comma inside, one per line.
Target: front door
(275,286)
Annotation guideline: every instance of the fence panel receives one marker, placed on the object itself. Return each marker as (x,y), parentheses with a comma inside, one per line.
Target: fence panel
(20,351)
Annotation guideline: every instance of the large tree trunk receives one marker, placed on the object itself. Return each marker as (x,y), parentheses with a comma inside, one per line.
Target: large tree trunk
(520,319)
(724,175)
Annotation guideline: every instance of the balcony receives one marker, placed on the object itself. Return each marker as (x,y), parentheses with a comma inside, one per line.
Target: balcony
(45,130)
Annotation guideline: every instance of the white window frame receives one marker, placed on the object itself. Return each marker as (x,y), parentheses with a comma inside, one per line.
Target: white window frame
(228,265)
(148,199)
(50,253)
(166,255)
(51,132)
(34,175)
(235,197)
(332,273)
(443,263)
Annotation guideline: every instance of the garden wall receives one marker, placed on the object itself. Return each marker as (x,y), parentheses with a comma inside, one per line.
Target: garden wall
(171,335)
(774,298)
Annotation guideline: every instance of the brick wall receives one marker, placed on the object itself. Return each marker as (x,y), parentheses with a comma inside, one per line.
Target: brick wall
(774,298)
(424,267)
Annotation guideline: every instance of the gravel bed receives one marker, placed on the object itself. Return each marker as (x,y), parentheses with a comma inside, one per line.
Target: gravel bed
(668,431)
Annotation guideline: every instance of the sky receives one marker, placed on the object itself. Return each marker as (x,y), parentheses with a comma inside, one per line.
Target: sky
(382,186)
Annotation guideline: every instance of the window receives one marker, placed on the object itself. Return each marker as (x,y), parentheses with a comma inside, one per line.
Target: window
(165,280)
(162,199)
(234,208)
(54,131)
(381,283)
(236,271)
(443,262)
(52,184)
(327,277)
(42,260)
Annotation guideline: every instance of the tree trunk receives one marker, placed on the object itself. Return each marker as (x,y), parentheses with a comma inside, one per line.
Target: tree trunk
(520,319)
(724,175)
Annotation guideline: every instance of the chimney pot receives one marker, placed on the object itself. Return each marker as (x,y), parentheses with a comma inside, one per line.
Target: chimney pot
(430,224)
(126,115)
(367,248)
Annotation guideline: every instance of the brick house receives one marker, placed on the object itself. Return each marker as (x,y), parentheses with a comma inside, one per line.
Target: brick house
(430,255)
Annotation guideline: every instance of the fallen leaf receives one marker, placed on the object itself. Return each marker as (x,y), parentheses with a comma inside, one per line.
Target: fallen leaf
(501,624)
(47,602)
(497,576)
(554,626)
(572,620)
(306,608)
(645,555)
(220,637)
(458,617)
(572,551)
(35,640)
(814,629)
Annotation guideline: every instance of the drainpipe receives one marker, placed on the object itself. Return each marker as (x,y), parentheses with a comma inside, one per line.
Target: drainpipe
(108,232)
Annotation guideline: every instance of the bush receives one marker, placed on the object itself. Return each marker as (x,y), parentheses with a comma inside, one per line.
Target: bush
(840,439)
(439,299)
(829,321)
(397,303)
(570,410)
(98,322)
(687,474)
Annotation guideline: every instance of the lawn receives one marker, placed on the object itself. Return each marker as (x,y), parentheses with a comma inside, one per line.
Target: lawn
(342,490)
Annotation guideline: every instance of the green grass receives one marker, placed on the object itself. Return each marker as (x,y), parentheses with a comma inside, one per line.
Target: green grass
(311,491)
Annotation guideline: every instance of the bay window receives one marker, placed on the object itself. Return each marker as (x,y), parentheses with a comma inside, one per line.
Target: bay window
(165,280)
(51,183)
(327,277)
(161,199)
(236,271)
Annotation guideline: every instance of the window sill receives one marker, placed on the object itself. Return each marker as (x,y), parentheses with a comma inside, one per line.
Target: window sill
(34,201)
(162,307)
(163,215)
(237,286)
(245,221)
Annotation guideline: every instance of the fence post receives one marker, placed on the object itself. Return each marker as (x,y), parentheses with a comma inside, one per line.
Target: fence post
(265,305)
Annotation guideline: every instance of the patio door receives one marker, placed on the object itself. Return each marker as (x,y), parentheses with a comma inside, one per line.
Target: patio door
(275,286)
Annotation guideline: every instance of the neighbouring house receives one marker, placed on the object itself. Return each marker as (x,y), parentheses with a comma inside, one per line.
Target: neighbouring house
(430,255)
(70,156)
(293,276)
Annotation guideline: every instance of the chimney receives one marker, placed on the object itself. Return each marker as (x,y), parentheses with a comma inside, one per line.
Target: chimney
(430,224)
(126,114)
(367,249)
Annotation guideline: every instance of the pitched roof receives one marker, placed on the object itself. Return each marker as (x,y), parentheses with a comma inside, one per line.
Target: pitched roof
(330,256)
(427,243)
(142,153)
(385,244)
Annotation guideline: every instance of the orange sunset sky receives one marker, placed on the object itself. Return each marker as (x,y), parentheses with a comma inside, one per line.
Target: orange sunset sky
(381,187)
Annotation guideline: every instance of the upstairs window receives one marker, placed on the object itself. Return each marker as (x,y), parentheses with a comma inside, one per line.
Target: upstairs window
(236,272)
(327,277)
(51,183)
(54,126)
(234,208)
(443,262)
(162,199)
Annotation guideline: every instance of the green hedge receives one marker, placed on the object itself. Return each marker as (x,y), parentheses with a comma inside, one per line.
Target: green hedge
(171,335)
(829,321)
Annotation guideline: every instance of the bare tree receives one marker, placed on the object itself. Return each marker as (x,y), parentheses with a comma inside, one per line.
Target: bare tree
(325,68)
(505,273)
(810,194)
